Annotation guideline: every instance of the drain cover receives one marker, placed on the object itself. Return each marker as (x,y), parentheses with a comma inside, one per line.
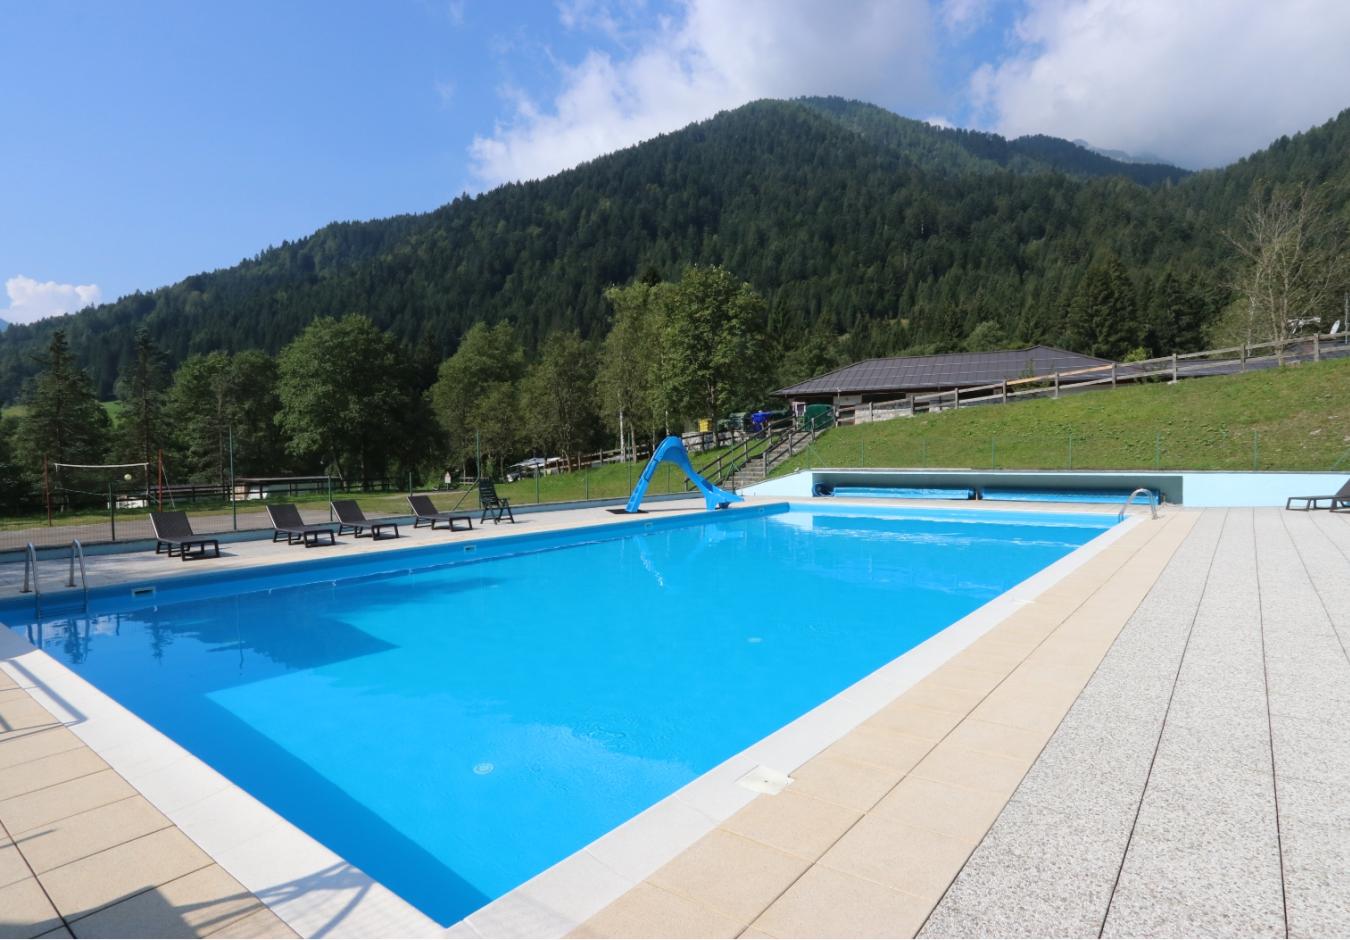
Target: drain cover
(765,780)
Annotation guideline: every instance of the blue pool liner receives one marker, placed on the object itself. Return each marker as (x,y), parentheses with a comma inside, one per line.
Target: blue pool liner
(1058,496)
(906,492)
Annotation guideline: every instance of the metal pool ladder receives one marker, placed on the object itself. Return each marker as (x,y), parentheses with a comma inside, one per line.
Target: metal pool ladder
(1152,503)
(30,575)
(76,549)
(30,578)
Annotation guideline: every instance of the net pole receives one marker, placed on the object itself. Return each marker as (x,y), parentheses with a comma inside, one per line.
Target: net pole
(47,489)
(234,507)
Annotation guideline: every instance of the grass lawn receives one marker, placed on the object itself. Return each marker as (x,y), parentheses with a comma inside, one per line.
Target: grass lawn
(1294,418)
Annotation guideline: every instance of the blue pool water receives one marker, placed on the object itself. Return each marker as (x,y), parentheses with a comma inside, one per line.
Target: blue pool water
(458,724)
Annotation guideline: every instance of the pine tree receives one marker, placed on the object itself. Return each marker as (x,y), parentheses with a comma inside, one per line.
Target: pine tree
(65,422)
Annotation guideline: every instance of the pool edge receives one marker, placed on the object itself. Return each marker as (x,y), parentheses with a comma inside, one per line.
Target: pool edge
(564,896)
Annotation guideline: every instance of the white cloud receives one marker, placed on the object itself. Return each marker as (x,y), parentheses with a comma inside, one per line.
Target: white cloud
(1201,82)
(715,55)
(31,300)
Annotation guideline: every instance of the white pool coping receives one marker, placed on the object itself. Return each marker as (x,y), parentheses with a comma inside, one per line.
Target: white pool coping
(317,893)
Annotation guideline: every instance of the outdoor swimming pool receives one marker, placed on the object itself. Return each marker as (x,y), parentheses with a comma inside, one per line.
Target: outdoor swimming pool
(454,721)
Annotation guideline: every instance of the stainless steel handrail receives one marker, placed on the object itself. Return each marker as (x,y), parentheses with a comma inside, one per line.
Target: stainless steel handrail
(1152,503)
(30,576)
(77,549)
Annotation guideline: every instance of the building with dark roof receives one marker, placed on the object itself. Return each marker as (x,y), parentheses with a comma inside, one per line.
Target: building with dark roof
(897,377)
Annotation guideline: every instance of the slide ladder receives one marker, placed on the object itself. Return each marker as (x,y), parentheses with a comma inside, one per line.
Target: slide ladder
(672,449)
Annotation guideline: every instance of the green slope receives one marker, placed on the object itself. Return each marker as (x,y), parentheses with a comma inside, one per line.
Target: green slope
(1295,418)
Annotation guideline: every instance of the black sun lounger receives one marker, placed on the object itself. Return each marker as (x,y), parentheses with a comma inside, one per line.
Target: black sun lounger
(492,505)
(351,517)
(174,535)
(1337,502)
(425,511)
(286,523)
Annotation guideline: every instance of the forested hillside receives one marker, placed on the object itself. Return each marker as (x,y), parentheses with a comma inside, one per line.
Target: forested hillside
(864,232)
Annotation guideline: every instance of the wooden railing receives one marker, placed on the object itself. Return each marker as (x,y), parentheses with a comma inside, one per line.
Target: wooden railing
(1210,362)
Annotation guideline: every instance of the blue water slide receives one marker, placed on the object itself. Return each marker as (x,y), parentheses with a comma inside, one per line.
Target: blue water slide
(672,449)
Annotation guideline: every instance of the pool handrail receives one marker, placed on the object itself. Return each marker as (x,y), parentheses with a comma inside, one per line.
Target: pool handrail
(77,549)
(30,577)
(1152,503)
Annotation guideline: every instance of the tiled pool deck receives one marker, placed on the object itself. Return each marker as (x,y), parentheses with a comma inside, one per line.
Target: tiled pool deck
(1155,746)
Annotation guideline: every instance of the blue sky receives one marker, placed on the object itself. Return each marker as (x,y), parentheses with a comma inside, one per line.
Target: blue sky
(146,141)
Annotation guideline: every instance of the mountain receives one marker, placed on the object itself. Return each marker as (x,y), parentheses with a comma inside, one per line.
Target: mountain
(889,233)
(1121,155)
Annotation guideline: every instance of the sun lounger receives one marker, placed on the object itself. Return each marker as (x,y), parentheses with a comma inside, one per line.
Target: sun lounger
(492,505)
(286,522)
(1337,502)
(425,511)
(174,535)
(351,517)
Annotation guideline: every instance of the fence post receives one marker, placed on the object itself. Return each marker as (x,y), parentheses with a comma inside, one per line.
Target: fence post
(536,485)
(1244,357)
(1174,368)
(1113,375)
(1005,391)
(234,507)
(112,512)
(1317,348)
(1056,383)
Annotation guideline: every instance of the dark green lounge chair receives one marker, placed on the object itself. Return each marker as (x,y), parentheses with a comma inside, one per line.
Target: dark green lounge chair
(174,535)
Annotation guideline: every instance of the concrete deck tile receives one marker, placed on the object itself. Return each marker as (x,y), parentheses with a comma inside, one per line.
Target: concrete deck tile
(66,840)
(878,745)
(1038,873)
(648,911)
(97,881)
(1316,869)
(1171,889)
(931,694)
(730,874)
(917,861)
(750,933)
(12,865)
(827,903)
(46,771)
(30,810)
(954,811)
(1004,740)
(976,681)
(195,905)
(975,770)
(1314,800)
(1311,750)
(793,822)
(25,910)
(1007,707)
(261,923)
(849,783)
(20,712)
(916,720)
(37,744)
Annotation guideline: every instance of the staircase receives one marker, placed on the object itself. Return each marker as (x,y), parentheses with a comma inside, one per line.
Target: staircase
(760,455)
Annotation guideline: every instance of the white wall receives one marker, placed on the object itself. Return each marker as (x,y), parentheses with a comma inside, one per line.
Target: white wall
(1187,487)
